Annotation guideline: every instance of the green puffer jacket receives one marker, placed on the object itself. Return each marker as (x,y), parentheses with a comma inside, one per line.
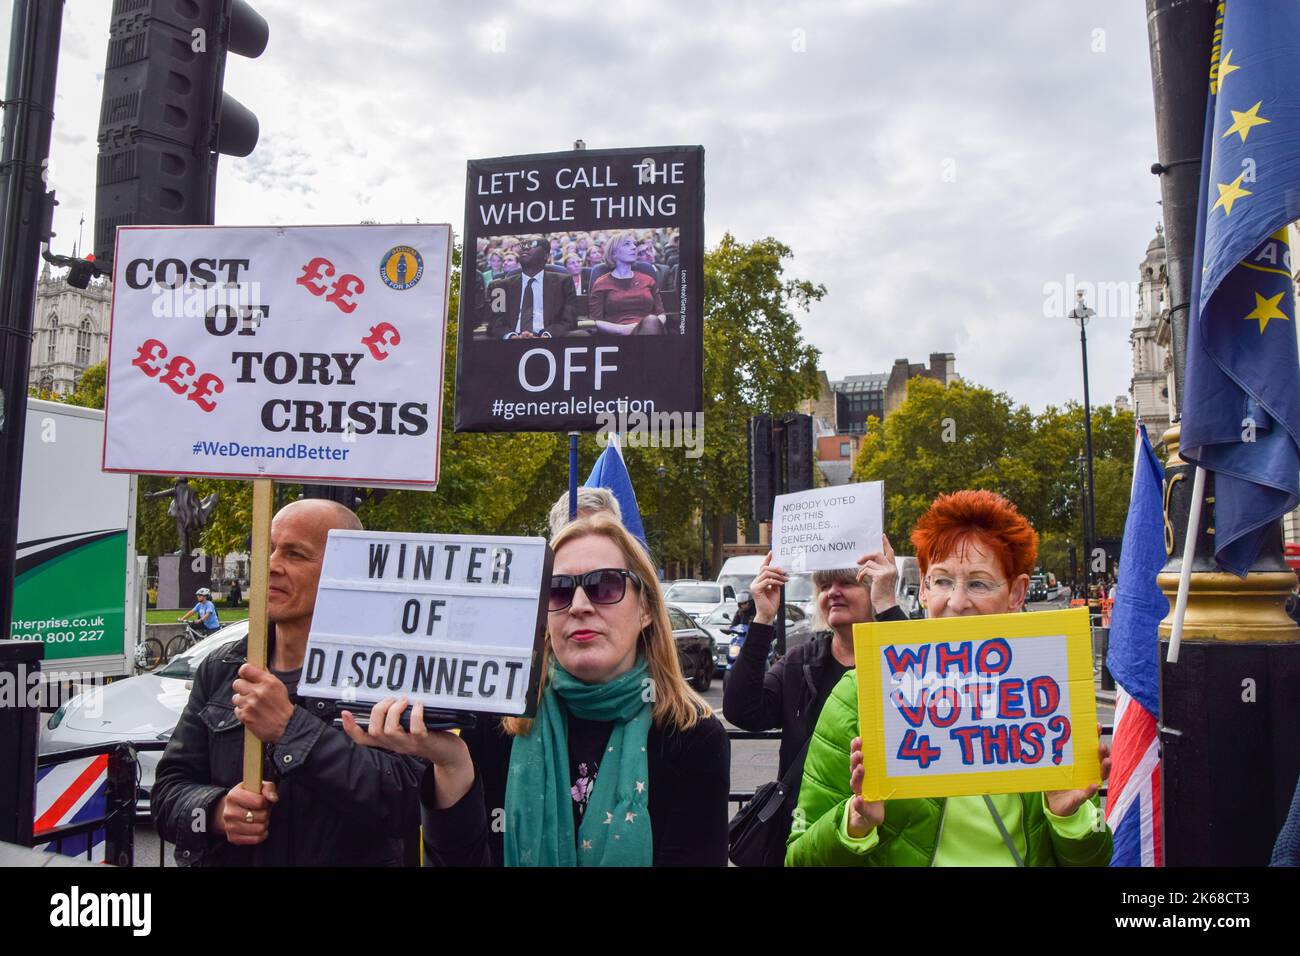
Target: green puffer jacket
(909,835)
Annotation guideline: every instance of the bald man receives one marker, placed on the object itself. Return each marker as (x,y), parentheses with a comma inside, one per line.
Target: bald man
(325,801)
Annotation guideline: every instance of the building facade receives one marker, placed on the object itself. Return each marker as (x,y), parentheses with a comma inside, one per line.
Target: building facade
(69,331)
(1151,384)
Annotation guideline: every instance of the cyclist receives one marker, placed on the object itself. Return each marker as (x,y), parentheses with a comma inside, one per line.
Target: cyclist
(205,621)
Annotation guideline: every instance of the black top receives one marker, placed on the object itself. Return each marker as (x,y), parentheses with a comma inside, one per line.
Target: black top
(690,779)
(340,804)
(790,694)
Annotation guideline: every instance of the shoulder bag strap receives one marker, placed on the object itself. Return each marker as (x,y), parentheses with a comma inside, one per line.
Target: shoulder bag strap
(1002,828)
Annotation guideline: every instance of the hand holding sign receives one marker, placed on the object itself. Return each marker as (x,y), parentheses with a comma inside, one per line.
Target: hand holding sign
(882,570)
(766,591)
(262,703)
(864,816)
(1064,803)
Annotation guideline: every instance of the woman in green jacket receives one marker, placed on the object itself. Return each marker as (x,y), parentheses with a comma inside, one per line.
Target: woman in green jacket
(975,551)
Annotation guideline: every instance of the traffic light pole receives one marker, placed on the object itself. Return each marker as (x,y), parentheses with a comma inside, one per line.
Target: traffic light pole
(779,452)
(26,210)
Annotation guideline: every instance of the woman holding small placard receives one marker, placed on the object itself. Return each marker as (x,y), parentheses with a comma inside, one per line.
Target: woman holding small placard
(789,695)
(623,764)
(975,551)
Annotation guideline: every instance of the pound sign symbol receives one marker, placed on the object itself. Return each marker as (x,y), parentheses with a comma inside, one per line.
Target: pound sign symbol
(381,334)
(318,268)
(144,359)
(341,294)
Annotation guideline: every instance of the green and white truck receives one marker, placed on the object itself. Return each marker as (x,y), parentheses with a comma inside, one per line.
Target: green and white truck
(79,588)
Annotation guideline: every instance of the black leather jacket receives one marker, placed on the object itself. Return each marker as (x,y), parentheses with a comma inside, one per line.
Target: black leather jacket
(340,804)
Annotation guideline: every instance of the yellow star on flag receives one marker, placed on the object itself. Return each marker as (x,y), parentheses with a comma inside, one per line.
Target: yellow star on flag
(1226,67)
(1243,123)
(1266,309)
(1229,193)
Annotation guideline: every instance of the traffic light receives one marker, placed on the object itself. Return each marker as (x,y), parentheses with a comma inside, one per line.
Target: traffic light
(798,453)
(762,488)
(165,118)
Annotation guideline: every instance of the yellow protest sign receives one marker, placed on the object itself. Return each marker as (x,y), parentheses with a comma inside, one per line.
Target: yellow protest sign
(997,703)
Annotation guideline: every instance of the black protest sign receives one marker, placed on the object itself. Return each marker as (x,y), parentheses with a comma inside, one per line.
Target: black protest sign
(582,284)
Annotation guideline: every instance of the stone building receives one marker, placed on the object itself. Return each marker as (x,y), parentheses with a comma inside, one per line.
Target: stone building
(1152,379)
(69,331)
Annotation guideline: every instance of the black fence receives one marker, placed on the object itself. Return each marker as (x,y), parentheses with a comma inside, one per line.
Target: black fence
(123,813)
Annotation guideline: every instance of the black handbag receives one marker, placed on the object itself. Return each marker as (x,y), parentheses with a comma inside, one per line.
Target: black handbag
(757,833)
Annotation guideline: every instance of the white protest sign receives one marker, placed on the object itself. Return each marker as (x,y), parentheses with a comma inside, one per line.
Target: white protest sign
(453,621)
(301,353)
(827,528)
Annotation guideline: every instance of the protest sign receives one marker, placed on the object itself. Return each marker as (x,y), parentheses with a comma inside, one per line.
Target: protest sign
(827,528)
(554,334)
(453,621)
(996,703)
(303,353)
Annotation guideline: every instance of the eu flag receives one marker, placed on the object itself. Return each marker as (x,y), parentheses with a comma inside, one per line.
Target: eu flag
(610,472)
(1241,402)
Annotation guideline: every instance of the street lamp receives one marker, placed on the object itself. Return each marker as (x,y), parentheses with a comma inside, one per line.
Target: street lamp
(1081,314)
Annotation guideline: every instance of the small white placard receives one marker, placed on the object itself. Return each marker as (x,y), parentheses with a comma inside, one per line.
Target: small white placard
(453,621)
(827,528)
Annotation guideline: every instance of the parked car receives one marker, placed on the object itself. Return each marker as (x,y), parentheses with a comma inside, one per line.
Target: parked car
(698,597)
(141,708)
(1038,587)
(694,649)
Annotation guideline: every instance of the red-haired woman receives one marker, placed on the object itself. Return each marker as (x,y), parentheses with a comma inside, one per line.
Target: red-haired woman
(975,551)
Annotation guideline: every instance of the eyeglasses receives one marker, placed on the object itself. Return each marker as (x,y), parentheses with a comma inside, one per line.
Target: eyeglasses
(975,587)
(602,586)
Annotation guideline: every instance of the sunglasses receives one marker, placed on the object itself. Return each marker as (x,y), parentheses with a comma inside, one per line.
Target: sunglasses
(602,586)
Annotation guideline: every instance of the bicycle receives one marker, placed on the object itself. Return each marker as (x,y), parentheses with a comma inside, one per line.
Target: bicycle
(148,653)
(183,641)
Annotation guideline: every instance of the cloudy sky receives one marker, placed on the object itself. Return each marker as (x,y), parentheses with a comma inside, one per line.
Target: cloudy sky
(937,164)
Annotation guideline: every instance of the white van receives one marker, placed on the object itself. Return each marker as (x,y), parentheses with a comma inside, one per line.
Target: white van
(740,571)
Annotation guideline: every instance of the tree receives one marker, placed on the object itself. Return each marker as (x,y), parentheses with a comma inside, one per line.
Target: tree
(89,392)
(755,362)
(942,439)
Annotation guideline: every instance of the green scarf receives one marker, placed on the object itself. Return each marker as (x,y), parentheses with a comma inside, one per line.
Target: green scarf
(615,828)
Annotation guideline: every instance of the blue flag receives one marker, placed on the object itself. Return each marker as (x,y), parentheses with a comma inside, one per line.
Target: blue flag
(1241,401)
(610,472)
(1140,605)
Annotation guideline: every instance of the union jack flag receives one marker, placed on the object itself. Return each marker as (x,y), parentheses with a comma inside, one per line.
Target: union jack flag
(1133,807)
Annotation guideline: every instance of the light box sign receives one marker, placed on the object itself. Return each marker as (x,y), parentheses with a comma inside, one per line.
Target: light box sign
(300,353)
(453,621)
(996,703)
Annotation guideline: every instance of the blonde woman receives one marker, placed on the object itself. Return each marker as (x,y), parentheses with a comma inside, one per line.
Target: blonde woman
(623,765)
(624,301)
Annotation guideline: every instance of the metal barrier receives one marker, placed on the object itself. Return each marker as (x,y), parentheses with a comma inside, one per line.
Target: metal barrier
(121,810)
(742,797)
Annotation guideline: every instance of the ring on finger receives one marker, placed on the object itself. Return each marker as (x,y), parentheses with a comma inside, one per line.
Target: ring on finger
(248,816)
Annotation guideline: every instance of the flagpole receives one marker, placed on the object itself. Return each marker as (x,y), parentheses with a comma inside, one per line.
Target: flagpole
(1185,572)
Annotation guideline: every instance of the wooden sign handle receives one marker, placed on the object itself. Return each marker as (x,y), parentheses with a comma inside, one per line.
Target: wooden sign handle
(258,573)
